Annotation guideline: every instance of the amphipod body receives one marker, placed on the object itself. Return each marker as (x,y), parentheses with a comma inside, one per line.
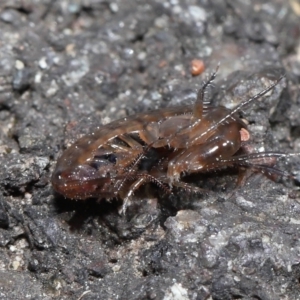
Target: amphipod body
(160,146)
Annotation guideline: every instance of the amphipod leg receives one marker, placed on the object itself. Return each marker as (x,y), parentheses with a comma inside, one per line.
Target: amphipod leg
(131,142)
(189,188)
(130,193)
(142,178)
(260,161)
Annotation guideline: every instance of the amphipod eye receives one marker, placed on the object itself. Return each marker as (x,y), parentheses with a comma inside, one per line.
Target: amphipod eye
(103,161)
(112,158)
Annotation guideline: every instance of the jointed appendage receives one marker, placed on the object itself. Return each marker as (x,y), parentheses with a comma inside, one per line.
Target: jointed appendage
(200,104)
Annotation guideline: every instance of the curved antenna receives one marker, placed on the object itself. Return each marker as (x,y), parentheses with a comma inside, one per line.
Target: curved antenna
(237,108)
(262,161)
(200,104)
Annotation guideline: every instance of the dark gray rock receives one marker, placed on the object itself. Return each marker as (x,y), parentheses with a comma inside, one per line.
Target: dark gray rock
(67,68)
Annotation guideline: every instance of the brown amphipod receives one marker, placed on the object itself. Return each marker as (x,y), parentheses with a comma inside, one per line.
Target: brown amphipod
(161,146)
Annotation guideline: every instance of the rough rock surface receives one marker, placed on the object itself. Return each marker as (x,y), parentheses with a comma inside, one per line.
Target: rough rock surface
(66,66)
